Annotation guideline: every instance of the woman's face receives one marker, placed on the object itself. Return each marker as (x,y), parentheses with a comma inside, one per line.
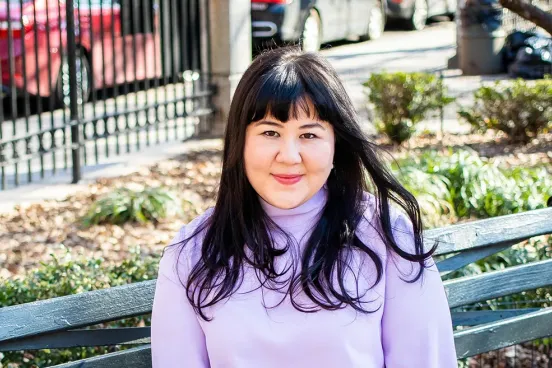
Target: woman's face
(287,163)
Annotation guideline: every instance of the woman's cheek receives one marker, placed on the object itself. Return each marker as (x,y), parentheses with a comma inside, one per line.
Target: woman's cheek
(320,155)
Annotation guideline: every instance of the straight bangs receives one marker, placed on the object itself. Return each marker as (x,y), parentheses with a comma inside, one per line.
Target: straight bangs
(284,93)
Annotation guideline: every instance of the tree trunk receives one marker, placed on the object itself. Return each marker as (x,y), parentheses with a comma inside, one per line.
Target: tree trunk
(530,12)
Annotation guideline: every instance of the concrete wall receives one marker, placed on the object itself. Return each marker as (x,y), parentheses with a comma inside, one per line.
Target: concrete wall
(230,42)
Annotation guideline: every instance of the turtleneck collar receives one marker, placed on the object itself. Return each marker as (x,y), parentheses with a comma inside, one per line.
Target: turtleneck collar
(298,215)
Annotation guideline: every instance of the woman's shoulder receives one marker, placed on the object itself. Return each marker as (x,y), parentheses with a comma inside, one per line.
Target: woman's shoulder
(185,248)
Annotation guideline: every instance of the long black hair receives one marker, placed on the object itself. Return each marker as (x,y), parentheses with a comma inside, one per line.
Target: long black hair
(279,82)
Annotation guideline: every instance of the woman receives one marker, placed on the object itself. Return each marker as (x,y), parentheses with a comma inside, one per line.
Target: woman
(297,265)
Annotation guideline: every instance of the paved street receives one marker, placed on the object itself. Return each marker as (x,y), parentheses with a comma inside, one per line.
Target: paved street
(428,50)
(396,50)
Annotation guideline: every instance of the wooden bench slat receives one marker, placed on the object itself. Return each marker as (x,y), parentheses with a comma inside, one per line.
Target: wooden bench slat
(78,310)
(468,256)
(508,332)
(138,357)
(78,338)
(473,318)
(491,285)
(496,230)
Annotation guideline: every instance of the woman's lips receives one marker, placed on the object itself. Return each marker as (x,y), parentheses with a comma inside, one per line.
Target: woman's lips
(288,179)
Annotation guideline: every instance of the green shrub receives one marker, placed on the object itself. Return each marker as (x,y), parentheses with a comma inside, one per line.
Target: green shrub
(477,187)
(432,194)
(126,205)
(522,110)
(69,276)
(401,100)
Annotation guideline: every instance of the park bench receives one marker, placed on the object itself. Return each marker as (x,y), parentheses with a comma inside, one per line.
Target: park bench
(57,323)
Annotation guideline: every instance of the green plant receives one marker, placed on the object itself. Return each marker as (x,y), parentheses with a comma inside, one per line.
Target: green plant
(401,100)
(126,205)
(432,194)
(477,187)
(521,109)
(70,276)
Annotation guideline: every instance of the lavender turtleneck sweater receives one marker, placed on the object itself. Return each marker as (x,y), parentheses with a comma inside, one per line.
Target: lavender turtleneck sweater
(412,327)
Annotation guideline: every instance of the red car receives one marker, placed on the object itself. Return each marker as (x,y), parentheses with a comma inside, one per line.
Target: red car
(39,45)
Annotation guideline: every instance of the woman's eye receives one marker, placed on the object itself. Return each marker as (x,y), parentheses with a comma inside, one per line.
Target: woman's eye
(309,136)
(270,133)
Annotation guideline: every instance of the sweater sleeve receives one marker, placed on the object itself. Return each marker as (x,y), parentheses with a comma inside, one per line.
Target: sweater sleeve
(416,324)
(177,339)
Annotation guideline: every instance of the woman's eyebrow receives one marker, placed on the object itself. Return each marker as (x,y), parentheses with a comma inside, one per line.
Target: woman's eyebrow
(312,125)
(268,122)
(275,124)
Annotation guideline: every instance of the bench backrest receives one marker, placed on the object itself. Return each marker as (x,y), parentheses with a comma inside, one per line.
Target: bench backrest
(56,323)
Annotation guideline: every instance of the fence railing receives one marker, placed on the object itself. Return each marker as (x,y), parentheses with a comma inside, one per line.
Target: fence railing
(83,80)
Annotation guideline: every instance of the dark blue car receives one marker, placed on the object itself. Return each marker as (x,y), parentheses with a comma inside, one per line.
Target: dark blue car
(313,22)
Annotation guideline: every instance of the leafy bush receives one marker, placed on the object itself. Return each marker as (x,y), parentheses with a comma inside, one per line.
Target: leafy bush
(69,276)
(432,194)
(126,205)
(522,110)
(477,187)
(401,100)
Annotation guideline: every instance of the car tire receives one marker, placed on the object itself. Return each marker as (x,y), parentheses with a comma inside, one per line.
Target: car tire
(311,36)
(376,23)
(419,17)
(83,80)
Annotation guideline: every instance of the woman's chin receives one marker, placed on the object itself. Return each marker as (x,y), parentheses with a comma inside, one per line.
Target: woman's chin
(285,202)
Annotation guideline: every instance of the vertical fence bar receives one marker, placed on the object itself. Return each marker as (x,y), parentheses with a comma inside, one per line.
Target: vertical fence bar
(13,96)
(185,41)
(39,96)
(124,35)
(63,97)
(148,31)
(103,84)
(114,51)
(73,103)
(93,93)
(163,49)
(26,100)
(3,183)
(155,32)
(176,57)
(11,67)
(79,75)
(208,82)
(51,91)
(135,31)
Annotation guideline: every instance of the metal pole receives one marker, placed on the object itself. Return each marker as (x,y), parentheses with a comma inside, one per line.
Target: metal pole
(73,96)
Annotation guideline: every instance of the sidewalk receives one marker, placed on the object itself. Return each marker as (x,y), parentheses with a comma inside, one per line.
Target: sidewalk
(59,187)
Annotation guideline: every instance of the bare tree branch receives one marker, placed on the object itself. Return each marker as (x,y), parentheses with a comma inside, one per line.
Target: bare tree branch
(531,12)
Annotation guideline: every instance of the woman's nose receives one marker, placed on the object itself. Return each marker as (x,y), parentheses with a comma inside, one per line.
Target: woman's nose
(289,152)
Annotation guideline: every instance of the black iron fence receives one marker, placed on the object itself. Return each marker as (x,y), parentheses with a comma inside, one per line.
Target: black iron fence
(84,80)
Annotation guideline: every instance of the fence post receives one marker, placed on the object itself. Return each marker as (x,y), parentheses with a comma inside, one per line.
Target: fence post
(73,96)
(230,52)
